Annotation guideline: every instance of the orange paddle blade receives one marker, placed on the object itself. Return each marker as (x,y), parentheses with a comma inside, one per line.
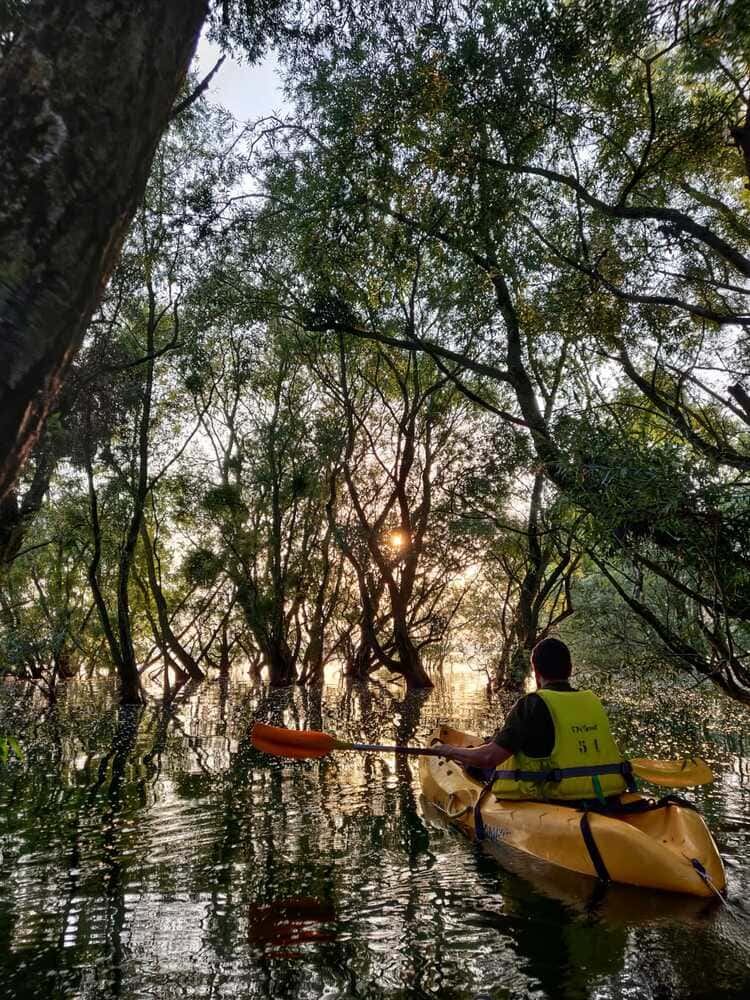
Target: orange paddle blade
(295,743)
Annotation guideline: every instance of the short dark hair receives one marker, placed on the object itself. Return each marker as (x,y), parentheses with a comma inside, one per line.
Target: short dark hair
(551,658)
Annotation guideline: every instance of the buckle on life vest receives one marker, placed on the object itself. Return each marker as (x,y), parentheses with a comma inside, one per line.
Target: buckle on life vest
(555,775)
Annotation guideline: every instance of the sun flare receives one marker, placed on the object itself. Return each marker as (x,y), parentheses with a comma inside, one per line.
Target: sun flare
(397,539)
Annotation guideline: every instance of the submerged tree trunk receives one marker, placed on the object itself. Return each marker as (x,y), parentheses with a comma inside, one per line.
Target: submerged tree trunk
(224,650)
(514,664)
(410,662)
(313,664)
(519,665)
(359,659)
(86,90)
(268,632)
(278,658)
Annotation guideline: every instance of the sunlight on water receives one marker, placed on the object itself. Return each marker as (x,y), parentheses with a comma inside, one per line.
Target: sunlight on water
(157,854)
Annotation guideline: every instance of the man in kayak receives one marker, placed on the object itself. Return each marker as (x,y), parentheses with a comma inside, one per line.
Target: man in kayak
(559,740)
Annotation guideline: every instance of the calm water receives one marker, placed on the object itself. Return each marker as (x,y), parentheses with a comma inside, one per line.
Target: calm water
(156,854)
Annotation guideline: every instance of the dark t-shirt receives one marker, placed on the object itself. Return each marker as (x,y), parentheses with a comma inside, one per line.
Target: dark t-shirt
(529,726)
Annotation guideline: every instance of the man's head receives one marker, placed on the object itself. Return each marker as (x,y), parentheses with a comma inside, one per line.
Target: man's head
(550,659)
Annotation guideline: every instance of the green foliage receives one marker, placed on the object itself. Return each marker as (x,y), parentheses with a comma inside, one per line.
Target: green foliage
(8,745)
(202,567)
(224,500)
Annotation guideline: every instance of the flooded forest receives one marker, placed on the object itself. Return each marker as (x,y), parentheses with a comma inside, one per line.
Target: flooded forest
(323,414)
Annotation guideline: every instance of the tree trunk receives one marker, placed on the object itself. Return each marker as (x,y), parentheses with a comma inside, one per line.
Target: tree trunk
(410,661)
(359,662)
(224,648)
(313,664)
(187,662)
(520,666)
(86,90)
(280,663)
(16,518)
(130,682)
(269,635)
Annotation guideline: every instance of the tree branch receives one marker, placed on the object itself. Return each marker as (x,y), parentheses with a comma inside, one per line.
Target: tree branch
(198,92)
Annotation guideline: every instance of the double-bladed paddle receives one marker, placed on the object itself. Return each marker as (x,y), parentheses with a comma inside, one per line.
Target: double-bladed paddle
(308,744)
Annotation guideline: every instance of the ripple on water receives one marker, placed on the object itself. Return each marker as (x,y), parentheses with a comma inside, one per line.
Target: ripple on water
(195,867)
(177,831)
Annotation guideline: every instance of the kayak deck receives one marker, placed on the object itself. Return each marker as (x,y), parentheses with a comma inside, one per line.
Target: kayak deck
(653,849)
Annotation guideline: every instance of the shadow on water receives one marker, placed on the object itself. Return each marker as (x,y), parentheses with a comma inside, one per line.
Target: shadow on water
(156,853)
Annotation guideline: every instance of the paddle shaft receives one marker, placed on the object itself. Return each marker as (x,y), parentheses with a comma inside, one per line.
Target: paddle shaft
(379,748)
(640,767)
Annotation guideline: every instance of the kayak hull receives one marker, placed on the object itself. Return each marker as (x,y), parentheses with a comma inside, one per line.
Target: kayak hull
(653,850)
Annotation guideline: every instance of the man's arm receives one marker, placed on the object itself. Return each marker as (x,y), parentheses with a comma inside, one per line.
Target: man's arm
(506,741)
(487,755)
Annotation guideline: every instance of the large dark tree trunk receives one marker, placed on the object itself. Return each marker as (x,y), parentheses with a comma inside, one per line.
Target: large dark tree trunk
(86,90)
(545,579)
(280,662)
(17,513)
(269,634)
(514,664)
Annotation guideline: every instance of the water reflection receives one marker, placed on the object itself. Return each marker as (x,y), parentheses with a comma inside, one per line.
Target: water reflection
(280,927)
(156,853)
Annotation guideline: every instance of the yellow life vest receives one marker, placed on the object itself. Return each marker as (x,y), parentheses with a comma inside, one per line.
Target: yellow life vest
(585,762)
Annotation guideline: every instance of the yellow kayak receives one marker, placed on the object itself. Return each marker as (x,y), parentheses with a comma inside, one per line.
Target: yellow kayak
(668,848)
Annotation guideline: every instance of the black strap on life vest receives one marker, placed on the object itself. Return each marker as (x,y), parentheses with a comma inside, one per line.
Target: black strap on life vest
(625,768)
(594,853)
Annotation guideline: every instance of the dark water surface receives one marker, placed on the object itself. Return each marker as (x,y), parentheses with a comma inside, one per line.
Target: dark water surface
(156,854)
